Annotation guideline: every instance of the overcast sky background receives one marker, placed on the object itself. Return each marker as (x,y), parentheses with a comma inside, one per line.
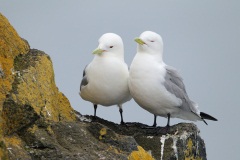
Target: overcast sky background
(201,39)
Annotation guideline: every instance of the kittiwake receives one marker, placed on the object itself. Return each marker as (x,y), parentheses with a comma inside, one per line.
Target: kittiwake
(157,87)
(105,79)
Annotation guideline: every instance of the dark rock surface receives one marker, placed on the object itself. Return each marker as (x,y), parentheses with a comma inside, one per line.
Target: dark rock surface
(182,141)
(102,139)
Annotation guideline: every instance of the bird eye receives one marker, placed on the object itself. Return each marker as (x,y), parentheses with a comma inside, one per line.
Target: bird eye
(111,47)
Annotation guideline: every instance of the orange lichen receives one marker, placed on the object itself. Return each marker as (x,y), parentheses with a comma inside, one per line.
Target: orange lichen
(141,154)
(6,65)
(11,44)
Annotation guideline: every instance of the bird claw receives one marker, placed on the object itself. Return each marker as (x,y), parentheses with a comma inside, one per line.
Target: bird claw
(148,127)
(94,118)
(122,123)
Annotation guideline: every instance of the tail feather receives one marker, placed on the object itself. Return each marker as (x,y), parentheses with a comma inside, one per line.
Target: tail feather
(207,116)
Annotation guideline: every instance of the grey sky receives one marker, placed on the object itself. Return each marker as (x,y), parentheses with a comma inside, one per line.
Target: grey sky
(201,39)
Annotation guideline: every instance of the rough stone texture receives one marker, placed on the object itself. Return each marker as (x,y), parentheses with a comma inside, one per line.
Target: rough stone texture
(38,122)
(102,139)
(182,141)
(34,95)
(77,140)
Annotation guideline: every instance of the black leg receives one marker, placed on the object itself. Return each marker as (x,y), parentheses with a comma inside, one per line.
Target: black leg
(155,121)
(166,129)
(121,111)
(95,110)
(168,122)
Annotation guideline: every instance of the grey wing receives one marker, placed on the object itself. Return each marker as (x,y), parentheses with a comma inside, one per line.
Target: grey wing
(84,81)
(174,84)
(175,77)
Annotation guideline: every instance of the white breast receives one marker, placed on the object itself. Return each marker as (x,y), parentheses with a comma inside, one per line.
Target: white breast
(107,82)
(146,79)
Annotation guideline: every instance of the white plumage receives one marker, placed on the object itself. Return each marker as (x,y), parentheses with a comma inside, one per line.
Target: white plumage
(105,79)
(156,87)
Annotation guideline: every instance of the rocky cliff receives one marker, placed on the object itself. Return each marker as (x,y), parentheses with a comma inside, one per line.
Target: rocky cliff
(38,122)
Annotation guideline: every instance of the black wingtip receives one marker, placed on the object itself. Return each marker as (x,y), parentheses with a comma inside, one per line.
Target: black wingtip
(207,116)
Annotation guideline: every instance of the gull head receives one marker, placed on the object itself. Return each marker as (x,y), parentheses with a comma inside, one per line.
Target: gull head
(150,42)
(110,44)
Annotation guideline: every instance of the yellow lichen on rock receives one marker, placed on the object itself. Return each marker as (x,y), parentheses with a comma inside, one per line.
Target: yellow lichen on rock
(32,129)
(64,108)
(49,130)
(28,80)
(15,145)
(6,80)
(189,155)
(35,86)
(114,149)
(11,43)
(141,154)
(13,140)
(3,151)
(102,133)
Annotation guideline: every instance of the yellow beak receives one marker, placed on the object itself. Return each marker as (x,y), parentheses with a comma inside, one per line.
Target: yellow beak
(98,51)
(139,41)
